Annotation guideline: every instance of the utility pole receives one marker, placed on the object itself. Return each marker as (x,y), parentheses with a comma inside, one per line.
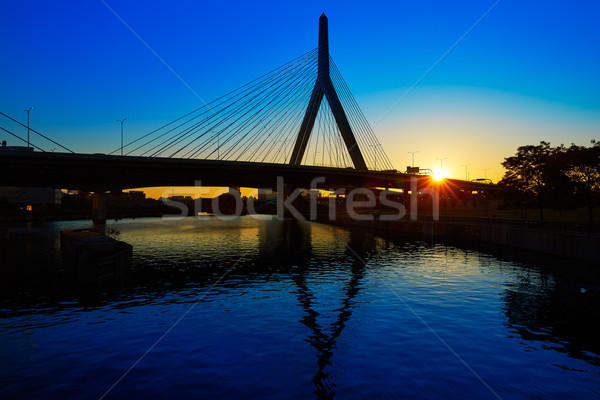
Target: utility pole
(466,170)
(441,160)
(413,156)
(27,111)
(485,170)
(121,121)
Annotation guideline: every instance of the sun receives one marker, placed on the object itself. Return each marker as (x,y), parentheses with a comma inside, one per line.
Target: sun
(439,174)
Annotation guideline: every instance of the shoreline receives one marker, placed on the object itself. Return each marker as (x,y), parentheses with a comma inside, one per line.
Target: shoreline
(578,242)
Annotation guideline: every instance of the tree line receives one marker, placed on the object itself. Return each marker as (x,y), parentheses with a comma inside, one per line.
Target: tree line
(554,177)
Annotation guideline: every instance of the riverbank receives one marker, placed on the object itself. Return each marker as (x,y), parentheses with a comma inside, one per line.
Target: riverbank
(580,242)
(574,241)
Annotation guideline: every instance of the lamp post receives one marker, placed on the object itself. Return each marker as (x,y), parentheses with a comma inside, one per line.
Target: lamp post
(27,111)
(441,160)
(466,171)
(485,170)
(121,121)
(413,156)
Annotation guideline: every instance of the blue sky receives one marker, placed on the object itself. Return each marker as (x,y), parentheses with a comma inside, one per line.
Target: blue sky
(528,71)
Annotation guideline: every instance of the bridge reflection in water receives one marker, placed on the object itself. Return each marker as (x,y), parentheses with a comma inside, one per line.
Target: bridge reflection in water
(298,244)
(296,286)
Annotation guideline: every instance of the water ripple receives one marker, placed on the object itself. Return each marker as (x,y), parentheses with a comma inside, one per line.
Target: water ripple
(284,310)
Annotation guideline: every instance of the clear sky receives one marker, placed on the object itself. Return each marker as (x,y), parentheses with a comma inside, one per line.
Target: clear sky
(527,71)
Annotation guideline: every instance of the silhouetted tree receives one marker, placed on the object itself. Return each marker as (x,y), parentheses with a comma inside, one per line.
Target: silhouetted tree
(536,172)
(559,188)
(582,167)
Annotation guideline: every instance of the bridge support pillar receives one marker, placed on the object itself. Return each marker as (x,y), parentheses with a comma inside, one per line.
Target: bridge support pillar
(99,208)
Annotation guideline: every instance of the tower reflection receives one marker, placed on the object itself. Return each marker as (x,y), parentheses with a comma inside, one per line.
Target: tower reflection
(297,240)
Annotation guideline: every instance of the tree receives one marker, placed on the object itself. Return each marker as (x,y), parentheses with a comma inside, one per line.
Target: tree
(535,173)
(583,169)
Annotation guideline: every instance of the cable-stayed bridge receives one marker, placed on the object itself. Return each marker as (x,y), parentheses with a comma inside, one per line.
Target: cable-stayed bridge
(298,122)
(295,117)
(301,113)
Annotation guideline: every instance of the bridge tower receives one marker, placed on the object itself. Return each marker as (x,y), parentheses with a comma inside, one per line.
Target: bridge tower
(324,87)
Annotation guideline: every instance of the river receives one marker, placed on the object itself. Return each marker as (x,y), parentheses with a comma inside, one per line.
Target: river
(261,308)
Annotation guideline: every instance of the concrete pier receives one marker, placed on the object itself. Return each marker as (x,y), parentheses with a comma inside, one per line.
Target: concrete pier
(99,208)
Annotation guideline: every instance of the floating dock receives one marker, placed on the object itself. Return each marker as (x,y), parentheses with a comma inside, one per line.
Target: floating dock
(95,257)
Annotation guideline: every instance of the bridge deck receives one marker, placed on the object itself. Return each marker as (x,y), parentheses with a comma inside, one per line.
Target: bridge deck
(96,172)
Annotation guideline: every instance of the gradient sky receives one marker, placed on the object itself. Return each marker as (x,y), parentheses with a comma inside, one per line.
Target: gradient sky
(528,71)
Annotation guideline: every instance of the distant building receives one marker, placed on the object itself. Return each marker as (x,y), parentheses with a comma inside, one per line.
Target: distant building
(136,195)
(267,196)
(311,193)
(181,197)
(30,197)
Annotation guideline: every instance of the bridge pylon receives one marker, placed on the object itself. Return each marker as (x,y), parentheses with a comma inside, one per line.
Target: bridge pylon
(324,87)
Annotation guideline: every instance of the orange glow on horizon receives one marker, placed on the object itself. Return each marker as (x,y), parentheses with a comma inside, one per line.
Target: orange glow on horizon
(194,192)
(439,174)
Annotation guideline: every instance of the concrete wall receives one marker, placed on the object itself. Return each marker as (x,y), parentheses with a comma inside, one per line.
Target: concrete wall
(561,240)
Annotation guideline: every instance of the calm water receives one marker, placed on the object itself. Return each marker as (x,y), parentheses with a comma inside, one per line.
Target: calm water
(272,309)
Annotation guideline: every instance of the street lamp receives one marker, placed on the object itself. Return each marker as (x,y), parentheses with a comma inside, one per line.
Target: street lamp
(27,111)
(466,171)
(485,170)
(441,160)
(121,121)
(413,156)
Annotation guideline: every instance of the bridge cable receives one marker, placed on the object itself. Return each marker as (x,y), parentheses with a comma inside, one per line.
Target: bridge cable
(18,137)
(33,130)
(233,111)
(362,121)
(222,99)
